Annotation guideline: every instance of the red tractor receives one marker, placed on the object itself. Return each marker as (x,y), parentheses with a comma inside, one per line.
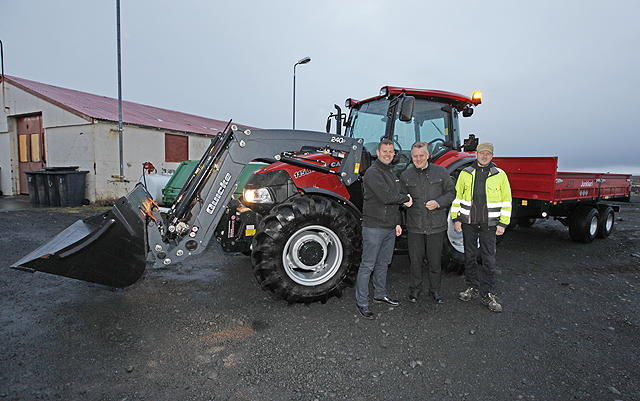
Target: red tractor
(302,226)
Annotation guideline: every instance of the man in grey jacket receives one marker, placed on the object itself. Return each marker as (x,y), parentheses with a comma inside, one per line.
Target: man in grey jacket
(380,225)
(432,191)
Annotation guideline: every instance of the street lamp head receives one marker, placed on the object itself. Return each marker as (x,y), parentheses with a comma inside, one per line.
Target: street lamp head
(304,60)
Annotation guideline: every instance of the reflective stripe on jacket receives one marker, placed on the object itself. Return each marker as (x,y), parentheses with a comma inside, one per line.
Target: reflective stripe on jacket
(498,193)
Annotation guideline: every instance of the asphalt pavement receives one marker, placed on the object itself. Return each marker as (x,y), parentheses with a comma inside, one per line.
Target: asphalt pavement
(204,330)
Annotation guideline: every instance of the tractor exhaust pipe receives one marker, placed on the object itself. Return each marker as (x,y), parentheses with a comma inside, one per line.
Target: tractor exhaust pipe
(108,248)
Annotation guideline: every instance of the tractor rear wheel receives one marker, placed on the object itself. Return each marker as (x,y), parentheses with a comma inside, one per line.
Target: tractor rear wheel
(307,250)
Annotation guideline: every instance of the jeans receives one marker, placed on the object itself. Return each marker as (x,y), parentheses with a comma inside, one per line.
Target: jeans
(419,246)
(486,282)
(377,252)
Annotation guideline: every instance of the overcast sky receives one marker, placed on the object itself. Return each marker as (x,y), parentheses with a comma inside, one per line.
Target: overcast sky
(557,77)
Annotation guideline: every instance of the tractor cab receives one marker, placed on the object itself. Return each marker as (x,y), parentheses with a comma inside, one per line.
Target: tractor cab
(406,116)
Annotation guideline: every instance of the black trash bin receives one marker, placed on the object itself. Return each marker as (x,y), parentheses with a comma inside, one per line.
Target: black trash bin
(50,179)
(43,187)
(32,184)
(71,186)
(66,185)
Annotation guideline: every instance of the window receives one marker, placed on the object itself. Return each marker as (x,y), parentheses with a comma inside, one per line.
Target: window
(22,146)
(35,147)
(176,148)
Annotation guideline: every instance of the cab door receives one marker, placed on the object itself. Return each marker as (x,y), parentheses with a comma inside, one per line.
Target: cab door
(30,148)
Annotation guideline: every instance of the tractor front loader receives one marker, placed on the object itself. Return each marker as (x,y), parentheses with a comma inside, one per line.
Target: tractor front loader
(113,248)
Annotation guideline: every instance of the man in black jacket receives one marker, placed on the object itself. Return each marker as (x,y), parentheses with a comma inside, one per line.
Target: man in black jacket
(432,191)
(380,225)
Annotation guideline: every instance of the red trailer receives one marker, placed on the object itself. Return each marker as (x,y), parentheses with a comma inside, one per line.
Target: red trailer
(575,199)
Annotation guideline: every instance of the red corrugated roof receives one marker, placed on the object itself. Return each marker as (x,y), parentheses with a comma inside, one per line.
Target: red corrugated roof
(89,106)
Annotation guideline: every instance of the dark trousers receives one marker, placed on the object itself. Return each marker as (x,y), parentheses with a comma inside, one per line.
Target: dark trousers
(419,246)
(482,278)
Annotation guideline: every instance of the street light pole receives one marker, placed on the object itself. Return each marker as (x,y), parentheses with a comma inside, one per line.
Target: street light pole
(301,61)
(120,139)
(2,61)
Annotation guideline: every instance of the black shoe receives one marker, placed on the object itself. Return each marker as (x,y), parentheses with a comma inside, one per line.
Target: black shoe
(387,300)
(413,297)
(365,312)
(436,296)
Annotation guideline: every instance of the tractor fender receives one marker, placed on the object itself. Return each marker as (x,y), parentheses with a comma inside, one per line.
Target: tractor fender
(353,209)
(458,164)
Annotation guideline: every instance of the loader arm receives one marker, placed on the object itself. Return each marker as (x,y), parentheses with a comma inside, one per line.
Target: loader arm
(114,247)
(192,219)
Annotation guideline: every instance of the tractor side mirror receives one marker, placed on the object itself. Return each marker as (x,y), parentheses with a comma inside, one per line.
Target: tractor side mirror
(471,143)
(406,108)
(339,120)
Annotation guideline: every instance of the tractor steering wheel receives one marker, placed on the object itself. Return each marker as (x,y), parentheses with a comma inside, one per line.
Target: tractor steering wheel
(432,145)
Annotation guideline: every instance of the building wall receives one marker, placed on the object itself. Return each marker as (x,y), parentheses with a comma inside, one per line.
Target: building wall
(95,148)
(92,146)
(6,144)
(21,103)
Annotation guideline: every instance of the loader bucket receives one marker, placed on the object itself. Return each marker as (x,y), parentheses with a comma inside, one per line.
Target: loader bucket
(108,248)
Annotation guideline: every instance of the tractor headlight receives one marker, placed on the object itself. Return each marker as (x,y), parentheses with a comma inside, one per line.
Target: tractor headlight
(258,195)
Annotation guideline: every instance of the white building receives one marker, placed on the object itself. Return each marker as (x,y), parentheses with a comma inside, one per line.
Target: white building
(49,126)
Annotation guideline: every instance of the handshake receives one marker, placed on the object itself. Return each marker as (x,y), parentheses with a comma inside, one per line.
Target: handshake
(431,205)
(409,202)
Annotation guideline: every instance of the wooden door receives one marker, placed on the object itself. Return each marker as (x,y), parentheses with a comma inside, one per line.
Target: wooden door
(30,148)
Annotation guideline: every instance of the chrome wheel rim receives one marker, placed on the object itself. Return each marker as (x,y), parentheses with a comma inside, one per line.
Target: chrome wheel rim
(312,255)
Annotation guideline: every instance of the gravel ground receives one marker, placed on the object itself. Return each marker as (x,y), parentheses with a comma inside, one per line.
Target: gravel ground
(205,330)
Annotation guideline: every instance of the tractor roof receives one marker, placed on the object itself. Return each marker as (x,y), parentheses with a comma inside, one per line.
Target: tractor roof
(455,99)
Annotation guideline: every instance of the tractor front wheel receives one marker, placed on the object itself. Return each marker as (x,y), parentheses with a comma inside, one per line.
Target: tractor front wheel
(307,250)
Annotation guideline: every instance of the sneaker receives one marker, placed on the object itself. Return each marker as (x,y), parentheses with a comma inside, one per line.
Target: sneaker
(413,297)
(365,312)
(492,302)
(469,294)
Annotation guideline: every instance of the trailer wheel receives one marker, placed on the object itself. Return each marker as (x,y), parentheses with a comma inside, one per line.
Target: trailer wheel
(605,222)
(307,250)
(583,225)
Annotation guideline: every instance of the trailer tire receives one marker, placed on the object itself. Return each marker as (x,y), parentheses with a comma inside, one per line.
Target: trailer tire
(606,221)
(304,233)
(583,224)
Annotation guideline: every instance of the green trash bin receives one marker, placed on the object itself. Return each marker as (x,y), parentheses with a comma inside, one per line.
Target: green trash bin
(185,169)
(177,181)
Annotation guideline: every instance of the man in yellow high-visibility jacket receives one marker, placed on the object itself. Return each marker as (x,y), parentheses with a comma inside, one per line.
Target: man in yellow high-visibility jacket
(481,210)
